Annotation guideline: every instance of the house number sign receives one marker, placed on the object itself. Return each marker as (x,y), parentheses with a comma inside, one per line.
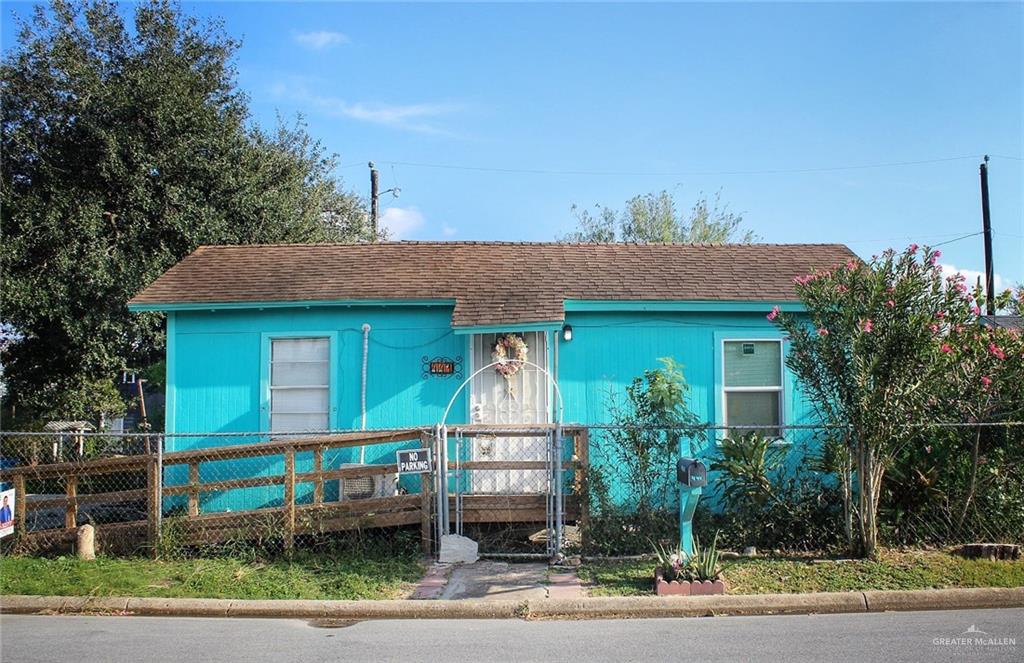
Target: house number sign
(442,367)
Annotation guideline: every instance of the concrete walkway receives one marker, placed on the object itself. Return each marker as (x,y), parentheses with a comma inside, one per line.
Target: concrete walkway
(491,580)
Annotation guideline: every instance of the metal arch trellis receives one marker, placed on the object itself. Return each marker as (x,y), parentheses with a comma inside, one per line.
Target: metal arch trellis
(555,498)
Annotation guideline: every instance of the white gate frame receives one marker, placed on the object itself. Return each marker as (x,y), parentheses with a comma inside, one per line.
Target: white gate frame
(554,478)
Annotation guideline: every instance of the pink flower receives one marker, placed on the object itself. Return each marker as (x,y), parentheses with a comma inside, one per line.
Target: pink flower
(996,350)
(935,257)
(934,327)
(912,248)
(867,326)
(803,280)
(946,348)
(822,332)
(842,288)
(961,287)
(851,264)
(940,315)
(774,314)
(986,380)
(890,304)
(975,309)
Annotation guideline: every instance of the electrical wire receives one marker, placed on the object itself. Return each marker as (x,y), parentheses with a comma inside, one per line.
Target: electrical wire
(776,171)
(950,241)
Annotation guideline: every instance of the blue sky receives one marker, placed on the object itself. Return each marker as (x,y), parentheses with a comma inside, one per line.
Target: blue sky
(606,101)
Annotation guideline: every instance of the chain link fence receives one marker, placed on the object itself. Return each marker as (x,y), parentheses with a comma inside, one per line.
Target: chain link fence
(945,484)
(62,480)
(600,490)
(515,490)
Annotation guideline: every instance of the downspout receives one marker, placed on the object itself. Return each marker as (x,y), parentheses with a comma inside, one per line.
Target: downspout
(366,352)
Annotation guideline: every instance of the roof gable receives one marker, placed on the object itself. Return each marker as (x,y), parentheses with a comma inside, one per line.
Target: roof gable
(491,283)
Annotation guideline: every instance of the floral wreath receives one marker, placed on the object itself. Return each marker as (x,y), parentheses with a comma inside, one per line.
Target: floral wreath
(510,351)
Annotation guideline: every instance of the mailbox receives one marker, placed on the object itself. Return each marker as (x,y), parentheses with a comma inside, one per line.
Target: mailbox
(691,472)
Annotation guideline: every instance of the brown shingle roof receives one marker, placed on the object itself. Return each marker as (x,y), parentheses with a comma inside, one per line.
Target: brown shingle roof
(492,283)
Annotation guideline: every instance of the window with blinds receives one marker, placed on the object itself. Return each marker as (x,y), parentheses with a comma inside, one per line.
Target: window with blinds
(752,386)
(299,384)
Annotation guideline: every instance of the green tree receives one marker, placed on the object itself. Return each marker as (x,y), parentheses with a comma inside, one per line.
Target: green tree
(870,355)
(654,218)
(124,149)
(983,379)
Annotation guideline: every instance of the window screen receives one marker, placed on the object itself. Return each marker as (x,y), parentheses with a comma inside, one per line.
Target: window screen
(760,368)
(752,386)
(299,384)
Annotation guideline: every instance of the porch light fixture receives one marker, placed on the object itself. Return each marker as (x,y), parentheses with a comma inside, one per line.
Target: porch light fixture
(567,333)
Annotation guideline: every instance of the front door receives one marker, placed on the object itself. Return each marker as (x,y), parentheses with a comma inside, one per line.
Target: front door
(519,399)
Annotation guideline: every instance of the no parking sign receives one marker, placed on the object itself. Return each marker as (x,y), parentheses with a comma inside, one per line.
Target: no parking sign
(413,461)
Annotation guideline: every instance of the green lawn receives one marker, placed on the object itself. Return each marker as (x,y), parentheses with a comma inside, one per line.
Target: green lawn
(893,570)
(347,576)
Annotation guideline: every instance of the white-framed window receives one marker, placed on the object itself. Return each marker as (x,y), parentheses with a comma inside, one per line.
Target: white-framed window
(752,393)
(300,384)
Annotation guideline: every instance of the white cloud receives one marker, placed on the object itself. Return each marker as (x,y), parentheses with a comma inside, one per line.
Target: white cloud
(319,40)
(972,276)
(400,221)
(418,117)
(449,231)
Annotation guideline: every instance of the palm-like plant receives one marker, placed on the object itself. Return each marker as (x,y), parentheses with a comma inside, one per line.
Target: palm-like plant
(746,467)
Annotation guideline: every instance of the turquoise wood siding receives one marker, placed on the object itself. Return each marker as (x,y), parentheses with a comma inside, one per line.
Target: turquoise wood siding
(218,363)
(609,349)
(218,384)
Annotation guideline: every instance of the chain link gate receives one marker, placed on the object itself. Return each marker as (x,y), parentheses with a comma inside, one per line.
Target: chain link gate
(499,485)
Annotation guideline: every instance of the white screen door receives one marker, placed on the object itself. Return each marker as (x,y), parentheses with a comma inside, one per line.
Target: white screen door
(522,399)
(299,384)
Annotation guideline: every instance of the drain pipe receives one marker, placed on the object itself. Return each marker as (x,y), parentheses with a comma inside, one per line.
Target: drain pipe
(366,352)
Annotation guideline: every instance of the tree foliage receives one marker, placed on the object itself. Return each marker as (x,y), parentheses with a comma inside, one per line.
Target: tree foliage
(126,147)
(654,218)
(631,481)
(873,356)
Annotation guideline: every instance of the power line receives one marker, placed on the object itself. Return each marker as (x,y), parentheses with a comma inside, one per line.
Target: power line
(950,241)
(915,238)
(777,171)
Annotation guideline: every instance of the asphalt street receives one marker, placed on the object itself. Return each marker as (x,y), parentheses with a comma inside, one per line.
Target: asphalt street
(975,635)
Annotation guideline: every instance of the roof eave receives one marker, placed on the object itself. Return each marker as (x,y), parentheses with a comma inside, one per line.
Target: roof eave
(143,307)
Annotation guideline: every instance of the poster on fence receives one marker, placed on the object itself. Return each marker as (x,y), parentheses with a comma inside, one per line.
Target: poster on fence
(6,513)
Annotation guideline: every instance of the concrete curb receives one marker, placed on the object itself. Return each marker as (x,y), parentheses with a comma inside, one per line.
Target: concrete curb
(586,608)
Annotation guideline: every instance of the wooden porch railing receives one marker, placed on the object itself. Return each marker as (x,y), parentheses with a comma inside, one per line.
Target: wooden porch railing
(292,517)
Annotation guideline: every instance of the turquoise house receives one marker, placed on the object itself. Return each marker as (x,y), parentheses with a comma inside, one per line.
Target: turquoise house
(291,338)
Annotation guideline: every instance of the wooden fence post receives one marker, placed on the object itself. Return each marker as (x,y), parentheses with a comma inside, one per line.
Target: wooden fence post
(153,505)
(193,488)
(71,509)
(318,483)
(426,502)
(19,505)
(289,499)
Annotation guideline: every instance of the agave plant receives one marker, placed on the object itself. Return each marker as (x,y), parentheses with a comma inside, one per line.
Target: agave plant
(670,560)
(703,563)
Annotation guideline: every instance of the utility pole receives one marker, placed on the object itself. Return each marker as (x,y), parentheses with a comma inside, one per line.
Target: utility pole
(375,194)
(986,225)
(374,185)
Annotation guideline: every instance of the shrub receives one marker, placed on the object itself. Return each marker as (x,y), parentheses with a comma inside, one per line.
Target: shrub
(767,505)
(631,483)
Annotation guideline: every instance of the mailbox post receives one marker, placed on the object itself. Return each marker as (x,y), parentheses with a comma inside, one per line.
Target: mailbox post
(692,476)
